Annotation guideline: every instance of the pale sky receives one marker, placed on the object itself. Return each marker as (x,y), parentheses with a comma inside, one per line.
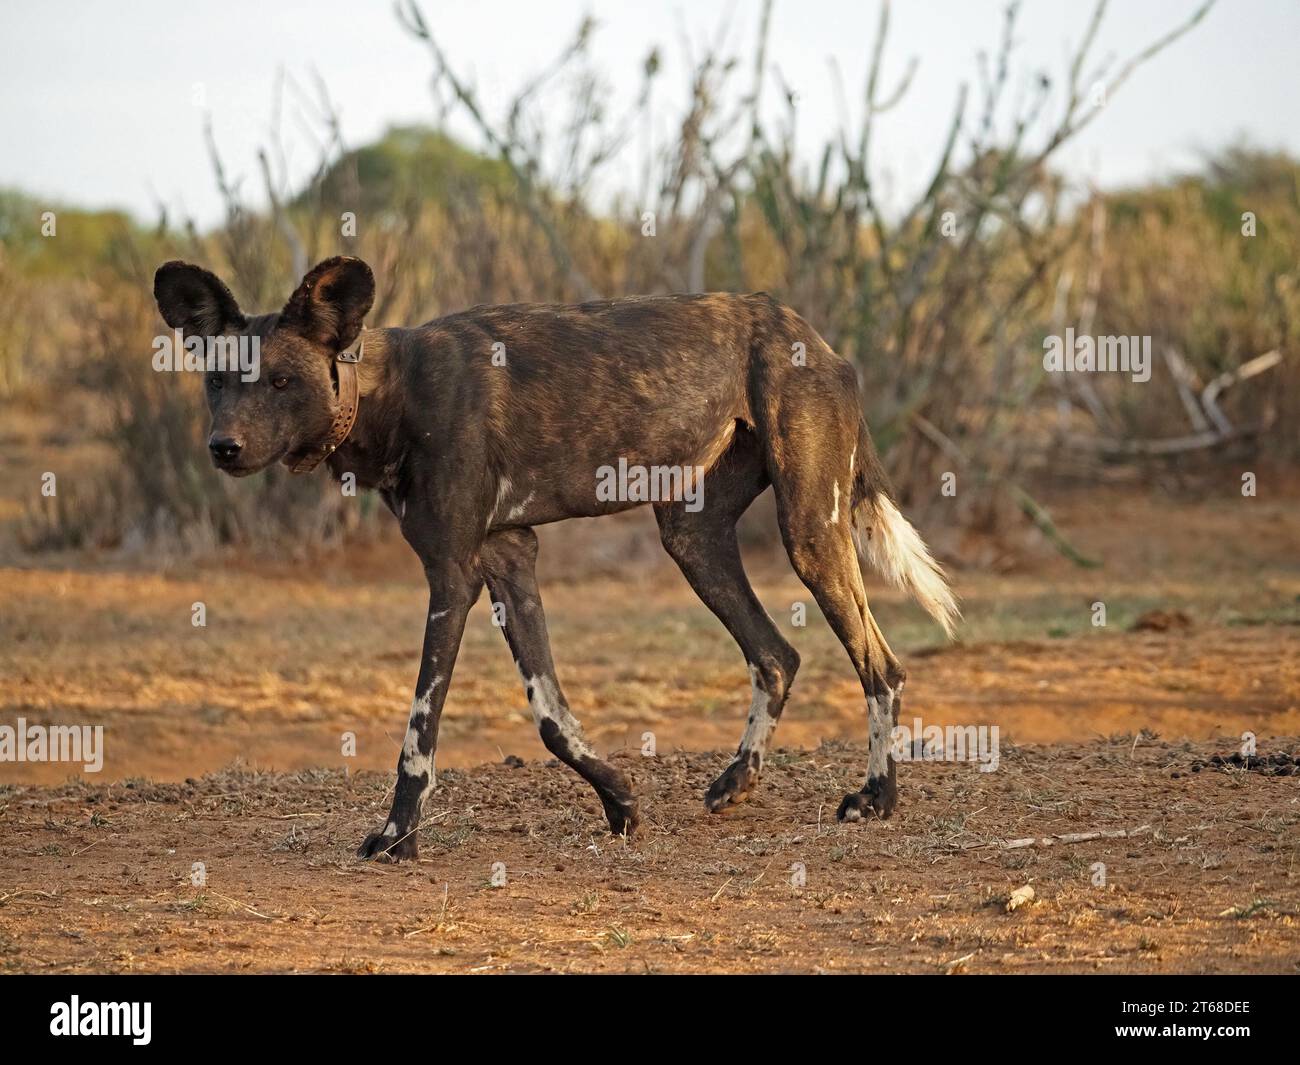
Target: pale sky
(98,100)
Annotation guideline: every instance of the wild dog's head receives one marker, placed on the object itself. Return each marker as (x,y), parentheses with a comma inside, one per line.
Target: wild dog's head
(288,408)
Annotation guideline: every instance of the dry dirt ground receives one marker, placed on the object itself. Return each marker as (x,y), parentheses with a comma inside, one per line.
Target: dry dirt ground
(1099,726)
(516,874)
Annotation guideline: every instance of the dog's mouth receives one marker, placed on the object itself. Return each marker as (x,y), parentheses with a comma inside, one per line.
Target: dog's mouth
(237,467)
(240,466)
(233,468)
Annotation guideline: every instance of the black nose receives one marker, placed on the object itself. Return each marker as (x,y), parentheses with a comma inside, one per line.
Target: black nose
(224,448)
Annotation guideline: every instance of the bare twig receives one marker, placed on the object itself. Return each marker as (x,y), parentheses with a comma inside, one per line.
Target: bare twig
(413,21)
(1064,839)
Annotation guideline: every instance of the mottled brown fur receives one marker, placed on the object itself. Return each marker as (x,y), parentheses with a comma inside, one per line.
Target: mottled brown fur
(479,425)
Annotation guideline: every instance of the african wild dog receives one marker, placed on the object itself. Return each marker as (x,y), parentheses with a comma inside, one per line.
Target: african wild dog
(482,424)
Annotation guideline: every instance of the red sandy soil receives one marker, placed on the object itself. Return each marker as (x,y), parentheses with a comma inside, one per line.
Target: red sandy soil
(1099,727)
(518,875)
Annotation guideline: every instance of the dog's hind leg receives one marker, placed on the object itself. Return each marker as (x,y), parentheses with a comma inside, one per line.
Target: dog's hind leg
(826,562)
(816,450)
(703,544)
(509,558)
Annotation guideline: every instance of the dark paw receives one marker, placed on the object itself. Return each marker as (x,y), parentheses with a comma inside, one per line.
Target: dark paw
(623,815)
(734,786)
(391,848)
(880,796)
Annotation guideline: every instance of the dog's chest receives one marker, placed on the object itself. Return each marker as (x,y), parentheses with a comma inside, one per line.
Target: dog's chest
(368,469)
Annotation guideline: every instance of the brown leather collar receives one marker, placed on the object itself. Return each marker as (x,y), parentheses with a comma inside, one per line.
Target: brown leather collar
(345,414)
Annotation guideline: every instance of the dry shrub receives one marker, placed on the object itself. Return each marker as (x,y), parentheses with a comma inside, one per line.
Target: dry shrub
(943,305)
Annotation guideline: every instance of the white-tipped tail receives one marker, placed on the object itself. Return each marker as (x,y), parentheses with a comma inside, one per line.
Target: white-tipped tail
(897,552)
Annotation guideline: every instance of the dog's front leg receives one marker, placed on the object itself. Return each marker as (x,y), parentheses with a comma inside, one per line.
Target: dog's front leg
(452,590)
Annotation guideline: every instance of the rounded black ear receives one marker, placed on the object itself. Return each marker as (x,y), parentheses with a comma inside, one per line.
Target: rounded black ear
(195,300)
(331,303)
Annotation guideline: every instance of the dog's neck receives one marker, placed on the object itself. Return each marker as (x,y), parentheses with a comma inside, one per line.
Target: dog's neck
(375,365)
(372,450)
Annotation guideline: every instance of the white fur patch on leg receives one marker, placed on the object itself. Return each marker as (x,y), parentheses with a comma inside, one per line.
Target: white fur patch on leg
(759,725)
(835,510)
(544,700)
(503,493)
(414,763)
(880,728)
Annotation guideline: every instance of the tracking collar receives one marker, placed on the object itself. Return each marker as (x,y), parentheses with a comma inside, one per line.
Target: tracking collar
(345,414)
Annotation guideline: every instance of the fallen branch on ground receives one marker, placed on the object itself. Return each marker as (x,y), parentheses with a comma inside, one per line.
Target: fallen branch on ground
(1068,837)
(1210,424)
(1029,506)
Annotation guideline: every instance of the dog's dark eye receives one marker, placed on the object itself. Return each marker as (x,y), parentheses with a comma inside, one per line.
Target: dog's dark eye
(279,382)
(214,383)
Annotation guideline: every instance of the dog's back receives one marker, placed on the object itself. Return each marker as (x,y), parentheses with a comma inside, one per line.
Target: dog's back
(563,387)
